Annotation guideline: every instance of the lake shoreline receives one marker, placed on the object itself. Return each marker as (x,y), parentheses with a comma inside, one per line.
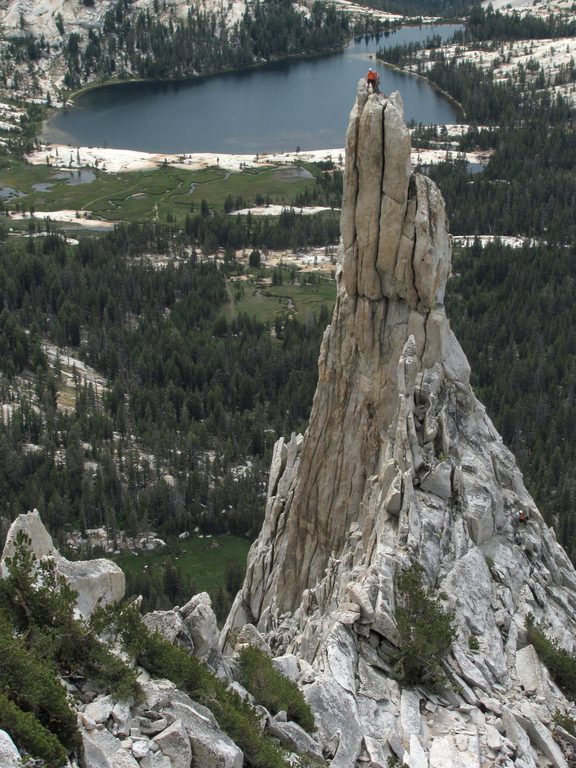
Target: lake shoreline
(432,84)
(196,107)
(109,160)
(69,98)
(71,95)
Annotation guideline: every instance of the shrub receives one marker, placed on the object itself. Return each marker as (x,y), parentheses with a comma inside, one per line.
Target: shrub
(27,731)
(31,683)
(426,631)
(560,663)
(565,721)
(236,717)
(273,689)
(473,643)
(40,638)
(395,762)
(40,605)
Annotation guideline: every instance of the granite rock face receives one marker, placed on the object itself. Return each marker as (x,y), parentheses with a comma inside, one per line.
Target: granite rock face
(400,464)
(96,582)
(9,755)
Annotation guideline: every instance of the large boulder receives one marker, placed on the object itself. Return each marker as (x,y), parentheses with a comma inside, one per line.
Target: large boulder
(211,747)
(295,738)
(31,526)
(175,744)
(99,749)
(170,626)
(200,621)
(96,582)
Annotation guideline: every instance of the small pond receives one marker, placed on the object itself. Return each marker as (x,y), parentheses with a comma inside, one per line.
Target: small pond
(8,192)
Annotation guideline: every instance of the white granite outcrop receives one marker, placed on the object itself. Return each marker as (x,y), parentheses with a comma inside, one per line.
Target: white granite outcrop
(98,581)
(400,464)
(9,755)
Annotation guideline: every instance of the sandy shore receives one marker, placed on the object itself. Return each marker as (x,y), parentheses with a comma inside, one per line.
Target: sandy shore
(124,160)
(118,160)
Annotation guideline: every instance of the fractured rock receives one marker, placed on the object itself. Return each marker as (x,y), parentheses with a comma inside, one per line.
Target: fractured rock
(175,744)
(529,671)
(100,749)
(400,465)
(200,622)
(30,525)
(100,709)
(210,746)
(288,666)
(157,693)
(410,720)
(455,752)
(170,626)
(155,760)
(295,738)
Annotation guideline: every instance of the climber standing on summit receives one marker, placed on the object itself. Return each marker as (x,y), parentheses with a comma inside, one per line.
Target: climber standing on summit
(373,80)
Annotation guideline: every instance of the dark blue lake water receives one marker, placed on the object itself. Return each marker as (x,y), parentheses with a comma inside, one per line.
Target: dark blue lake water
(301,103)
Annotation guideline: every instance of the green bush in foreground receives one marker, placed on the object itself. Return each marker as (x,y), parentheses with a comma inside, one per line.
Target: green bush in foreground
(426,630)
(30,683)
(560,663)
(273,689)
(41,639)
(29,733)
(40,606)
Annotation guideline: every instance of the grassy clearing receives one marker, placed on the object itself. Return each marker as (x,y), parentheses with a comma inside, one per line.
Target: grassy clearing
(307,299)
(204,560)
(267,302)
(163,194)
(252,302)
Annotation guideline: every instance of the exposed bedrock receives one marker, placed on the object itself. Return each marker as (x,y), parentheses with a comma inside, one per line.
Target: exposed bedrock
(400,464)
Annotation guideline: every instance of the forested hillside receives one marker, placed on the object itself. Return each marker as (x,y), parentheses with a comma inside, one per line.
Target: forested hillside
(145,46)
(513,311)
(448,9)
(132,40)
(179,436)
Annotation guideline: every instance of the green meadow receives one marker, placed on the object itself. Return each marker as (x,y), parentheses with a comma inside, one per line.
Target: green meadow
(202,559)
(164,194)
(267,302)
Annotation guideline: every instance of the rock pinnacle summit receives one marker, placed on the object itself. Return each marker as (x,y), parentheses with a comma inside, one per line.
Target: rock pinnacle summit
(400,465)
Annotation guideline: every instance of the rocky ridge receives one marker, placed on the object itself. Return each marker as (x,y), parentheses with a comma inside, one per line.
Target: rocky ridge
(401,464)
(42,19)
(164,727)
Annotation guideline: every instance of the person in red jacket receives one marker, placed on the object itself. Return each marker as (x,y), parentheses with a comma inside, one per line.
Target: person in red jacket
(373,79)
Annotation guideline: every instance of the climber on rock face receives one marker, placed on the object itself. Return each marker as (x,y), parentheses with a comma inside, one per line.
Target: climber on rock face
(519,516)
(372,79)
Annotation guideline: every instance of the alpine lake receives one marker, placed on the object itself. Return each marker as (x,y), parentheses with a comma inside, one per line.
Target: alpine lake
(282,107)
(276,108)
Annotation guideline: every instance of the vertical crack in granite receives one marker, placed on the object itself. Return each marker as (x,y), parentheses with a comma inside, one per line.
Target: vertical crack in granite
(387,251)
(400,464)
